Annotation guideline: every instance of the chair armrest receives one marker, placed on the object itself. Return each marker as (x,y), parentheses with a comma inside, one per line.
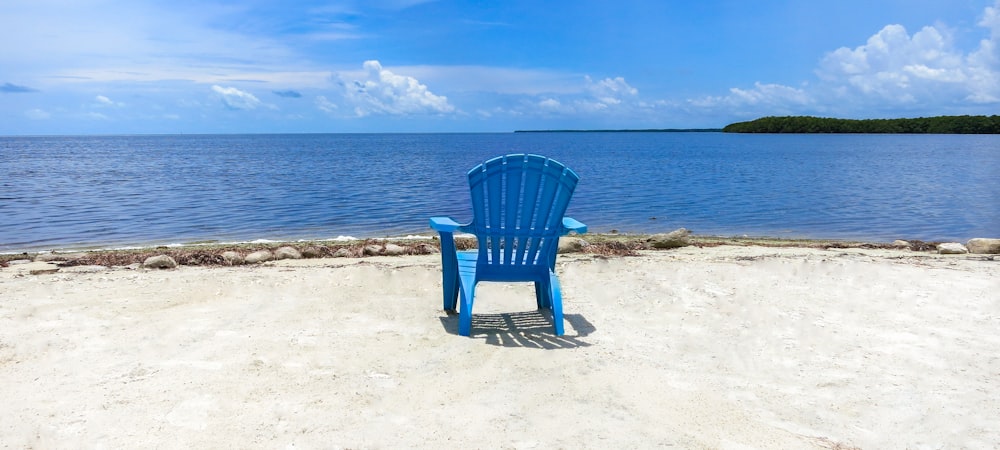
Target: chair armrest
(571,224)
(445,224)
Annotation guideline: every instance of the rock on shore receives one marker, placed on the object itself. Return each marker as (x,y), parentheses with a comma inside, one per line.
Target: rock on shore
(159,262)
(983,246)
(952,248)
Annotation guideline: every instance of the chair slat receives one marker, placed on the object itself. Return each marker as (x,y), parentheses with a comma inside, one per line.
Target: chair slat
(513,175)
(494,207)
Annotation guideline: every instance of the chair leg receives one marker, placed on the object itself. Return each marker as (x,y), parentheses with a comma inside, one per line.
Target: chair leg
(465,313)
(449,271)
(451,288)
(541,295)
(556,299)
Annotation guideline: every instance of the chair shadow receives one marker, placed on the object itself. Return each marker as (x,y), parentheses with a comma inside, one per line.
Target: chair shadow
(528,329)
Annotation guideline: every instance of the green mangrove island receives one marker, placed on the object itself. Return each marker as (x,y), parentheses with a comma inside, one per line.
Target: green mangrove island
(922,125)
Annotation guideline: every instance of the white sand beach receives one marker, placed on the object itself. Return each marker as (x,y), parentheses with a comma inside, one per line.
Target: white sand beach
(731,347)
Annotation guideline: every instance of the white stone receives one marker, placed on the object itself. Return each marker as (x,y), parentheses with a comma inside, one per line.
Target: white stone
(287,253)
(258,257)
(673,239)
(983,246)
(232,258)
(952,248)
(394,250)
(570,244)
(159,262)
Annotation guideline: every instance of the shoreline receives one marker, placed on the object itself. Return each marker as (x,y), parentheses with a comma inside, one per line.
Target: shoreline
(608,244)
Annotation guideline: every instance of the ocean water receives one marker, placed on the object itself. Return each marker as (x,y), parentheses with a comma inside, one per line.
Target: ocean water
(111,191)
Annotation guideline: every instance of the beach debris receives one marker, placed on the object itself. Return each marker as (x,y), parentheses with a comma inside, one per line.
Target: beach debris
(43,271)
(952,248)
(259,256)
(426,249)
(983,246)
(921,246)
(198,258)
(674,239)
(287,253)
(231,258)
(616,248)
(312,252)
(393,250)
(159,262)
(54,256)
(610,245)
(570,244)
(87,268)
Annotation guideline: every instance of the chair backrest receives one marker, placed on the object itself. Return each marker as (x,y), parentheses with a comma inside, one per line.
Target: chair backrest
(518,203)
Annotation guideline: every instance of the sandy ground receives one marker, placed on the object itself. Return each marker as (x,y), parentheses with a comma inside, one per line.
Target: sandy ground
(726,347)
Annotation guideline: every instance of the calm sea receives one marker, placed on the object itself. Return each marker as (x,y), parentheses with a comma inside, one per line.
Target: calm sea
(108,191)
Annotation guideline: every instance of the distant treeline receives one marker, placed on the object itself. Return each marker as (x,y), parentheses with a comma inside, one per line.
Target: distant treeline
(649,130)
(929,125)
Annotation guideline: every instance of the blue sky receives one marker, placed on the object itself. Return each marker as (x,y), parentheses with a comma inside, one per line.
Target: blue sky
(185,66)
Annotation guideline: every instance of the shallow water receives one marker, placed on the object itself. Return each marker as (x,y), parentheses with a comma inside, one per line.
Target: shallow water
(59,192)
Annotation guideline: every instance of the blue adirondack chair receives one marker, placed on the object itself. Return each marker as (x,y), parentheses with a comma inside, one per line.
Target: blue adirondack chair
(518,202)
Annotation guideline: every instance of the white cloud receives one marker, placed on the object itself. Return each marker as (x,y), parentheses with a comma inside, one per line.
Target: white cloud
(495,79)
(991,20)
(762,96)
(894,70)
(895,66)
(325,105)
(602,96)
(550,104)
(37,114)
(234,98)
(611,91)
(103,101)
(380,91)
(590,97)
(926,67)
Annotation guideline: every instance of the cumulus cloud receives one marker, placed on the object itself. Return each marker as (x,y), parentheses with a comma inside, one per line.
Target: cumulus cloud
(924,71)
(611,91)
(991,20)
(380,91)
(550,104)
(772,95)
(602,96)
(9,88)
(897,67)
(325,105)
(236,99)
(590,97)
